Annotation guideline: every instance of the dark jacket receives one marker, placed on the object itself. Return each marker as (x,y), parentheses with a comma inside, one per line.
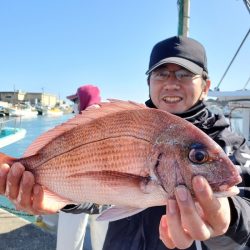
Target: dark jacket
(141,231)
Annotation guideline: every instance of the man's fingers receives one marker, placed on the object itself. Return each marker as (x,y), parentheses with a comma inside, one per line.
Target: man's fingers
(25,190)
(216,211)
(190,218)
(19,186)
(179,236)
(38,199)
(164,233)
(13,180)
(4,170)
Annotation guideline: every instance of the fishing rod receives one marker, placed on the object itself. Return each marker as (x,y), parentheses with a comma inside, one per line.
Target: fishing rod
(247,3)
(217,87)
(244,88)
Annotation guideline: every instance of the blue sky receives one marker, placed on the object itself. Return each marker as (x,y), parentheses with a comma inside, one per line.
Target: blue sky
(58,45)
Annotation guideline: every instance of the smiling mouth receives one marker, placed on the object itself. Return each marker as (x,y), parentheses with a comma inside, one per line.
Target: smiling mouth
(172,99)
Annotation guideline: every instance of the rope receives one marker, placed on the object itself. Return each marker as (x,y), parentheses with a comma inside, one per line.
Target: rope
(16,212)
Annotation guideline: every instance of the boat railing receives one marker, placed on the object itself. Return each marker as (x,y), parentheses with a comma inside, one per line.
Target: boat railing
(15,121)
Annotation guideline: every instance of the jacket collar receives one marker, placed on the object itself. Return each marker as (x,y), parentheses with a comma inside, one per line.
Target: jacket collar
(200,116)
(193,111)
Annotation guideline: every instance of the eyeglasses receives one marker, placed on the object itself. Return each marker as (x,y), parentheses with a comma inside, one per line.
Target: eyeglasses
(181,75)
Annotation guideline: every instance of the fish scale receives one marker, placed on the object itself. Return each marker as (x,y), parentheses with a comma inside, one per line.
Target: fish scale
(125,154)
(107,158)
(97,130)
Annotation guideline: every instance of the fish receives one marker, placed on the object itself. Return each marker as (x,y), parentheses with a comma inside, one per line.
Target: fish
(126,155)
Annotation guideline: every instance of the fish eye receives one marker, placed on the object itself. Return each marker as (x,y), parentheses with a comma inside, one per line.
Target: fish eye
(198,156)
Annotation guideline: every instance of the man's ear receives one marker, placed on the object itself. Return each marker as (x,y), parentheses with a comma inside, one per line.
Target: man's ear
(205,89)
(148,80)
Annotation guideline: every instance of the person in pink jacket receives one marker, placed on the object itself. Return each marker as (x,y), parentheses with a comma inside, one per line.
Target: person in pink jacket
(72,227)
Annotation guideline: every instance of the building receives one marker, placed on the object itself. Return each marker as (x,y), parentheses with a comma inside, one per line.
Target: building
(16,97)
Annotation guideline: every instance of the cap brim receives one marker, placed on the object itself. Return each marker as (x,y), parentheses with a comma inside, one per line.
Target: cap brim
(72,97)
(194,68)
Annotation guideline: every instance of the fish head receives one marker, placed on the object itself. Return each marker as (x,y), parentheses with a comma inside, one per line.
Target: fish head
(185,155)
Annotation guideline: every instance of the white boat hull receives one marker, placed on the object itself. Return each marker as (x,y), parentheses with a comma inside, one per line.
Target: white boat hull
(12,135)
(23,113)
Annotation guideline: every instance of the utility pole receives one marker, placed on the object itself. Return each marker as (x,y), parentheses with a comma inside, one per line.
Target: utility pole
(184,17)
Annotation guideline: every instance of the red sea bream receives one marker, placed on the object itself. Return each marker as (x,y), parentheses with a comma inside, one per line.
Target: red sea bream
(125,154)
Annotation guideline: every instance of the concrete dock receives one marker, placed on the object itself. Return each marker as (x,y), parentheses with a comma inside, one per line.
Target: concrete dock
(19,234)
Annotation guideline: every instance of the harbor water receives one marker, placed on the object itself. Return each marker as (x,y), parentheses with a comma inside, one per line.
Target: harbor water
(34,127)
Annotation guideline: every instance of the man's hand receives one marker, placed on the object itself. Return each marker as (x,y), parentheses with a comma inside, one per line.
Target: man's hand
(19,186)
(186,220)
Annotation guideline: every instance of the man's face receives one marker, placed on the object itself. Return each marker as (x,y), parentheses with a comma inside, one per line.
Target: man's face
(173,95)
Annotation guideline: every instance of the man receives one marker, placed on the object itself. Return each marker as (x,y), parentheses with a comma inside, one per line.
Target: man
(72,227)
(178,83)
(85,96)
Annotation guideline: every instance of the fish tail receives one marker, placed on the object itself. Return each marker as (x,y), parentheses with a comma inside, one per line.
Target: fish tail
(6,159)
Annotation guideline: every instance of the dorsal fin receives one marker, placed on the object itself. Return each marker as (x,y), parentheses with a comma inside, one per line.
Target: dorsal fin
(87,115)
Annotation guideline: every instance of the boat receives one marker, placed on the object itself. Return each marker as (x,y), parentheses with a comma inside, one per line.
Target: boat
(24,110)
(52,112)
(236,95)
(236,104)
(9,135)
(4,111)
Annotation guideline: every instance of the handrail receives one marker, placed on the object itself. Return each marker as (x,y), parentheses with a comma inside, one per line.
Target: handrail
(4,121)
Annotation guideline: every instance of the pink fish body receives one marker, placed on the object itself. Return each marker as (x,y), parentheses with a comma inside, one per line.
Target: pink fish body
(127,155)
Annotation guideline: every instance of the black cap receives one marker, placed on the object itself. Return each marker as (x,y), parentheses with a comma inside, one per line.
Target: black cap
(180,50)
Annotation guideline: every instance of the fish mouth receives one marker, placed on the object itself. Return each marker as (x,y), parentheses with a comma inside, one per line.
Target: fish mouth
(232,191)
(227,187)
(172,99)
(230,182)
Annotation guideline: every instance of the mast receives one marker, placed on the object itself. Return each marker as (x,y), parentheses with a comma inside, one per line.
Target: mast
(184,17)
